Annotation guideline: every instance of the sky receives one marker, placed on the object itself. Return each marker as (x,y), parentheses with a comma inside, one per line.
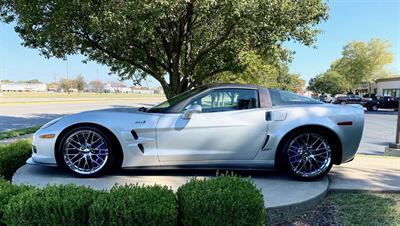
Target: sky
(349,20)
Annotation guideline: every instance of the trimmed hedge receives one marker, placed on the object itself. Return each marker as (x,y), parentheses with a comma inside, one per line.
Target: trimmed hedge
(7,191)
(224,200)
(220,201)
(13,156)
(135,205)
(53,205)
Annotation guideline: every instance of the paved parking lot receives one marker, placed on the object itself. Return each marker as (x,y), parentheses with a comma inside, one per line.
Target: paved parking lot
(379,130)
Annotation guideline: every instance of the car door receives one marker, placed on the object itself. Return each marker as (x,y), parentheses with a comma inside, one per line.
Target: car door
(392,103)
(231,126)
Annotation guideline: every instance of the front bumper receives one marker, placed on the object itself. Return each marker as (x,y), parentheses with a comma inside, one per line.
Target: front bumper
(43,148)
(30,161)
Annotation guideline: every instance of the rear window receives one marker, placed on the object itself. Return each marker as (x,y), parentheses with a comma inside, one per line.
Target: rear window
(280,97)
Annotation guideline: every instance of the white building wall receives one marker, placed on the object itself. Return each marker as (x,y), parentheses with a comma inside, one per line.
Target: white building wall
(388,85)
(24,87)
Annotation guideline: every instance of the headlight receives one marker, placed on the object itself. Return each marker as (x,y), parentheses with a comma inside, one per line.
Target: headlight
(52,122)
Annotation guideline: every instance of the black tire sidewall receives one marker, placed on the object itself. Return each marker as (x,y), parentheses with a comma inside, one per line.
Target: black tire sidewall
(285,155)
(106,167)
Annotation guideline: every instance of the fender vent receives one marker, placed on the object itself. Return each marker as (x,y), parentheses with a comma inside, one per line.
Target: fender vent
(265,143)
(134,134)
(140,146)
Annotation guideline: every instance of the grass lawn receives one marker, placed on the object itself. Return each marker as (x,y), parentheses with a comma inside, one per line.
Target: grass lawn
(367,208)
(18,132)
(352,208)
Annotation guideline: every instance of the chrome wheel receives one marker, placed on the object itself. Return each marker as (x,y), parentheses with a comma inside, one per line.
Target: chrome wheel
(85,152)
(374,107)
(309,155)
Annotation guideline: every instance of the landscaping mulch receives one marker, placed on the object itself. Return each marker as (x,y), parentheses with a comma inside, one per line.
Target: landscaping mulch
(323,214)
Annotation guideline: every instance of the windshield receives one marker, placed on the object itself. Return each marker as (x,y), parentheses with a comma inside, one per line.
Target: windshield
(175,100)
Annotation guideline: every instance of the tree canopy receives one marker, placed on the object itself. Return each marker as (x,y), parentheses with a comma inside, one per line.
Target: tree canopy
(180,43)
(361,62)
(329,82)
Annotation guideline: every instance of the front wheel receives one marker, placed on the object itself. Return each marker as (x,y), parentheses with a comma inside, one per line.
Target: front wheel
(86,152)
(308,155)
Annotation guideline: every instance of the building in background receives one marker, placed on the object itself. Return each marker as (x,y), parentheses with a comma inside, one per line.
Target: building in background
(23,87)
(141,90)
(388,87)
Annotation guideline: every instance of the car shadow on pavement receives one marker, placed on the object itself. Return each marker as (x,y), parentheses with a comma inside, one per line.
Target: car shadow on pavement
(13,122)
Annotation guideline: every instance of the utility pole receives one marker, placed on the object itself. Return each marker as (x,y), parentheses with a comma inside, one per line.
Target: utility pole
(66,67)
(394,148)
(1,78)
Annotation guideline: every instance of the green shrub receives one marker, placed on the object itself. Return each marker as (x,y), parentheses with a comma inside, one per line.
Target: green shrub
(7,191)
(135,205)
(13,156)
(53,205)
(224,200)
(18,132)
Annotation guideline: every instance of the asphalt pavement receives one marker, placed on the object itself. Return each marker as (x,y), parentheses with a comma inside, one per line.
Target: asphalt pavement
(25,115)
(379,129)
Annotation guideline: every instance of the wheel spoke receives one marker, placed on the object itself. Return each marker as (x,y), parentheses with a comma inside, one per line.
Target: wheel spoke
(309,154)
(85,151)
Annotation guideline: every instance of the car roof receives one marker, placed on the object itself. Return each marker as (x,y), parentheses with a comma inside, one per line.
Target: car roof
(231,85)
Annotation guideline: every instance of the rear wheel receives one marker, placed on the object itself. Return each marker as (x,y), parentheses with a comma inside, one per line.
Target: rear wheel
(308,155)
(86,152)
(343,102)
(374,107)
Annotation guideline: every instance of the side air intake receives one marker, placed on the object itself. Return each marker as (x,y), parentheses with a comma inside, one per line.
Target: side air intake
(140,146)
(134,134)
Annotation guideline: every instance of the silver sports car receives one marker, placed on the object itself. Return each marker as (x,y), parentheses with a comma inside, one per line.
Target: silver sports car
(228,126)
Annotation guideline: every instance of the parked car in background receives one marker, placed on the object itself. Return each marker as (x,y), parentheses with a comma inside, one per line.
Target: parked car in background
(326,98)
(347,99)
(385,102)
(365,100)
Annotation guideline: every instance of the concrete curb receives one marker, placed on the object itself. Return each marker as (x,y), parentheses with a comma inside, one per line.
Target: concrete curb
(282,213)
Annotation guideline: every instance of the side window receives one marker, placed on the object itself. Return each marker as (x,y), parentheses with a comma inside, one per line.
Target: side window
(280,97)
(226,100)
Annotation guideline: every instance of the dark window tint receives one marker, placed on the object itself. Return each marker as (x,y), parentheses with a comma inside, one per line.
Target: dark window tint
(226,100)
(280,97)
(175,100)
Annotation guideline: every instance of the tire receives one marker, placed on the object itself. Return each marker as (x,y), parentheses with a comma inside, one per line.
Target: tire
(310,151)
(374,107)
(86,152)
(369,109)
(342,102)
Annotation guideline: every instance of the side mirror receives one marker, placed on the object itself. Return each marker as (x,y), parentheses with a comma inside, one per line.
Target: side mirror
(194,109)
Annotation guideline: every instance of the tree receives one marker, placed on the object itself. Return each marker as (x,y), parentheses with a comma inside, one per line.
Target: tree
(364,62)
(180,43)
(329,82)
(256,71)
(33,81)
(65,84)
(260,72)
(289,81)
(79,83)
(97,85)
